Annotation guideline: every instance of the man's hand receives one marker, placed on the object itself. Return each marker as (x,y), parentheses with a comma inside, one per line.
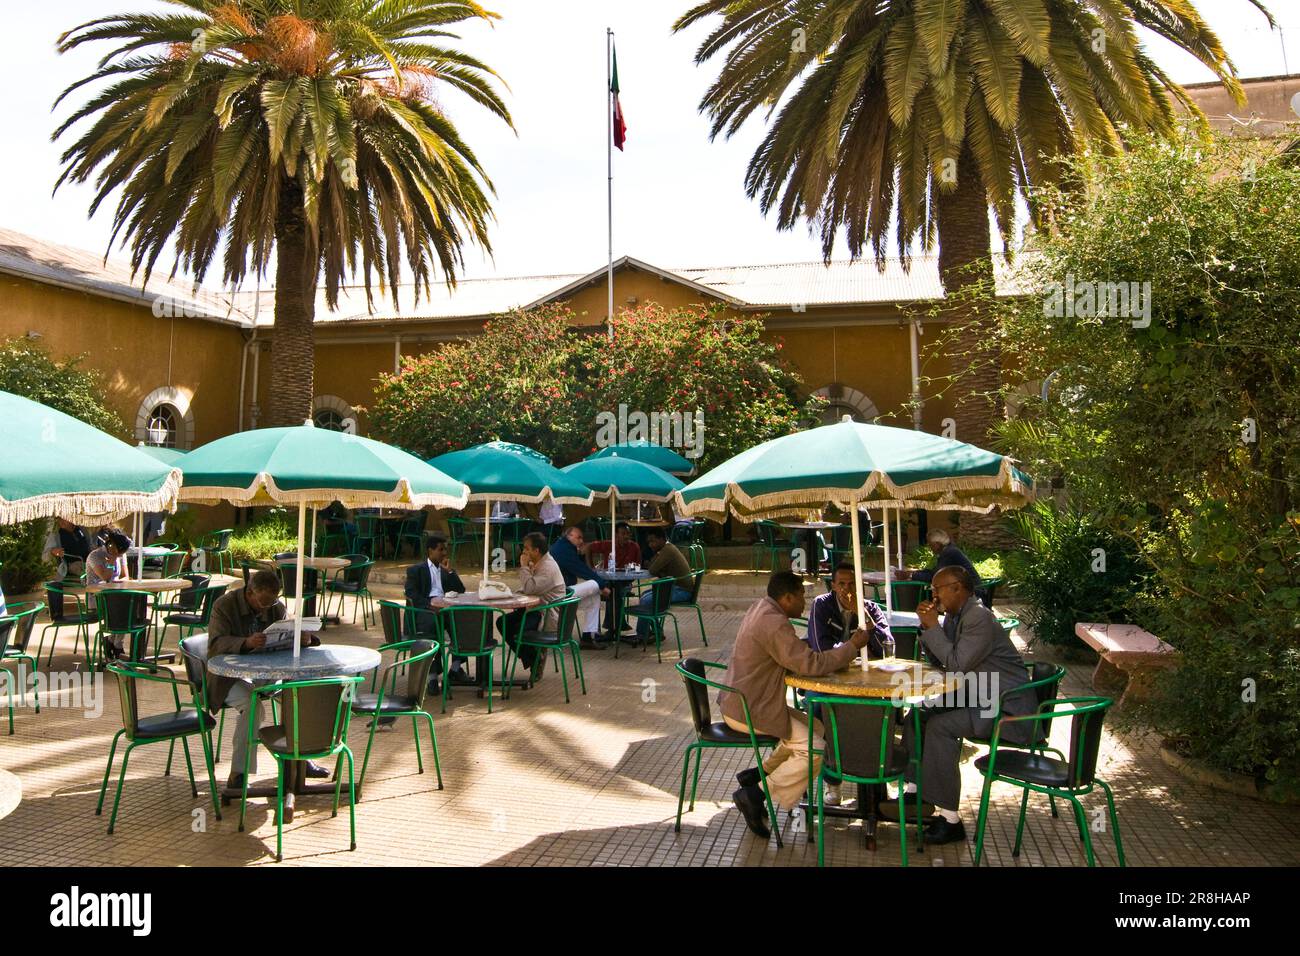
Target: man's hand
(928,612)
(604,592)
(859,638)
(254,642)
(446,564)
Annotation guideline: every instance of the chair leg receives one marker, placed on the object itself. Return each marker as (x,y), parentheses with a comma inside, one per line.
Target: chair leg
(279,810)
(1020,824)
(982,820)
(419,758)
(352,800)
(171,749)
(205,739)
(433,739)
(446,672)
(821,825)
(121,778)
(695,779)
(576,650)
(221,731)
(1114,820)
(700,614)
(564,675)
(112,751)
(1083,828)
(370,742)
(189,766)
(681,791)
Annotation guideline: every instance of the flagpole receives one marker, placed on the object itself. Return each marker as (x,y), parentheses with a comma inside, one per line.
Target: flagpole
(609,159)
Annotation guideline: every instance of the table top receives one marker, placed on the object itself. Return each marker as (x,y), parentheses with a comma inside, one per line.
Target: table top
(814,525)
(515,602)
(327,660)
(498,519)
(224,580)
(915,682)
(154,585)
(321,564)
(878,577)
(153,551)
(646,523)
(623,576)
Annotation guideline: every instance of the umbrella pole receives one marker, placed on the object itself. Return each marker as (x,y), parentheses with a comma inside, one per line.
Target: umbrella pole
(857,575)
(313,532)
(898,525)
(297,621)
(889,591)
(613,553)
(487,536)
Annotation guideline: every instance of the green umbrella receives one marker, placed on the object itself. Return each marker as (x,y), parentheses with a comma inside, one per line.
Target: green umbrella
(59,467)
(168,456)
(614,476)
(504,471)
(313,467)
(663,458)
(850,465)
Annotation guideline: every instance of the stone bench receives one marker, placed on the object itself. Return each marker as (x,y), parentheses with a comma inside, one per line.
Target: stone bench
(1130,658)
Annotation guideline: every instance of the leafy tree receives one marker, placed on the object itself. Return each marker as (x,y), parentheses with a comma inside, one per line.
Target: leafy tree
(29,370)
(1177,429)
(918,116)
(305,129)
(532,377)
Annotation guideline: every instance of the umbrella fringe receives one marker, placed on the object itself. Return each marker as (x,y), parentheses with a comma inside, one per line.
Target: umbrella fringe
(83,506)
(263,490)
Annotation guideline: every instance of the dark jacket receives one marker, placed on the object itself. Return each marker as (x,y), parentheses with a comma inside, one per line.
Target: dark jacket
(233,620)
(574,566)
(951,555)
(826,624)
(418,583)
(75,543)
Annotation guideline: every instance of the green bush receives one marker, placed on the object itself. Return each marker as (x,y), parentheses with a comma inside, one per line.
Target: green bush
(988,564)
(1070,571)
(269,534)
(21,549)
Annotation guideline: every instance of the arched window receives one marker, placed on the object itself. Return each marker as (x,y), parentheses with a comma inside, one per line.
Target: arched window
(333,413)
(164,419)
(161,430)
(846,401)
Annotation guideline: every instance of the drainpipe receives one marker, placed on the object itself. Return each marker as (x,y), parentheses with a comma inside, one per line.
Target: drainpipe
(913,329)
(397,355)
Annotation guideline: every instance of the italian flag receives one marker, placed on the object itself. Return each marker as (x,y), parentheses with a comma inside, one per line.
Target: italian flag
(620,127)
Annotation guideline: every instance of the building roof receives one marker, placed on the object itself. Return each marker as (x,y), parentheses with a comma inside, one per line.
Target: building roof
(71,268)
(779,286)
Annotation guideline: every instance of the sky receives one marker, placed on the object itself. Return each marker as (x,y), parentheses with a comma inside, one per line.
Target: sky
(679,198)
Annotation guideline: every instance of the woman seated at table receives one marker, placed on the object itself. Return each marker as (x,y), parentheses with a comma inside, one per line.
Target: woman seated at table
(108,563)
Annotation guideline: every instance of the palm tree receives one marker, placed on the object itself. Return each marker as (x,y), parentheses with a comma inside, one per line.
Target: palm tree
(921,115)
(304,127)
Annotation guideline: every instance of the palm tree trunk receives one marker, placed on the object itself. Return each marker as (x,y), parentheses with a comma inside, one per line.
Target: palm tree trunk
(293,339)
(965,261)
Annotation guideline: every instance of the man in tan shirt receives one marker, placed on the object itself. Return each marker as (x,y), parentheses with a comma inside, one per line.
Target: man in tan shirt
(538,575)
(767,649)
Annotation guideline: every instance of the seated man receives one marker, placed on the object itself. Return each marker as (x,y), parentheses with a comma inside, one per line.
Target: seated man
(766,649)
(107,564)
(627,551)
(946,555)
(538,575)
(973,645)
(668,562)
(433,577)
(72,548)
(835,615)
(238,626)
(588,586)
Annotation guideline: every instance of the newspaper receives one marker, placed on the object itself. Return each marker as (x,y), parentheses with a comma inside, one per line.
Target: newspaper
(279,636)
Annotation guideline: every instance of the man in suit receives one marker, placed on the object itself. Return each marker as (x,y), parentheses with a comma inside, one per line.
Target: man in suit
(834,615)
(588,586)
(946,555)
(971,644)
(433,577)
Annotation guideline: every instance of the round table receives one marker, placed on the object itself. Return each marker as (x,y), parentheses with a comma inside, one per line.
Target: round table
(152,585)
(915,683)
(320,564)
(812,554)
(620,582)
(327,660)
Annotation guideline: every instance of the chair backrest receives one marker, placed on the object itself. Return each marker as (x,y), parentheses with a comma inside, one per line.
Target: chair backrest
(8,627)
(662,590)
(1085,740)
(56,596)
(469,629)
(218,540)
(566,611)
(172,562)
(907,642)
(24,615)
(1047,680)
(414,525)
(314,714)
(697,558)
(419,664)
(285,556)
(247,567)
(391,616)
(194,655)
(355,559)
(859,736)
(908,595)
(697,582)
(311,578)
(192,595)
(358,573)
(767,533)
(697,693)
(122,612)
(208,600)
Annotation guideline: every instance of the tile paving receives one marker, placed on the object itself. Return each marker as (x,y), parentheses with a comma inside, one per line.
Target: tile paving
(591,783)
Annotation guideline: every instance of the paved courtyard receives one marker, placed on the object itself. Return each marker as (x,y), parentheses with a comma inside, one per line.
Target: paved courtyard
(593,782)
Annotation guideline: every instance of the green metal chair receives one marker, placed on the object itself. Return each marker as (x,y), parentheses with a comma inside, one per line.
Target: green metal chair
(697,558)
(57,596)
(369,534)
(333,530)
(215,546)
(769,544)
(468,630)
(353,580)
(874,756)
(659,610)
(987,590)
(461,532)
(186,600)
(125,614)
(1069,779)
(314,724)
(716,735)
(906,595)
(194,656)
(564,636)
(312,583)
(416,659)
(697,584)
(194,620)
(16,628)
(412,530)
(139,731)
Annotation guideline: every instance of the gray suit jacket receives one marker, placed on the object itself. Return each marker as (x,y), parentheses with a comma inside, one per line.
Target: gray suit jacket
(972,643)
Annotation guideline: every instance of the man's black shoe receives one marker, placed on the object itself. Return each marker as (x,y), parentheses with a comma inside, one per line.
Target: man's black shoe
(749,801)
(316,771)
(460,678)
(888,809)
(941,831)
(236,782)
(631,639)
(749,778)
(590,642)
(435,688)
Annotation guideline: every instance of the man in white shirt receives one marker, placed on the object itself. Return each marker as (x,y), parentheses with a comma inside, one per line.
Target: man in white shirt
(433,577)
(540,576)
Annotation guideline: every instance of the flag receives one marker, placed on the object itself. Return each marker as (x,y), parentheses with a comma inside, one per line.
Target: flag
(620,127)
